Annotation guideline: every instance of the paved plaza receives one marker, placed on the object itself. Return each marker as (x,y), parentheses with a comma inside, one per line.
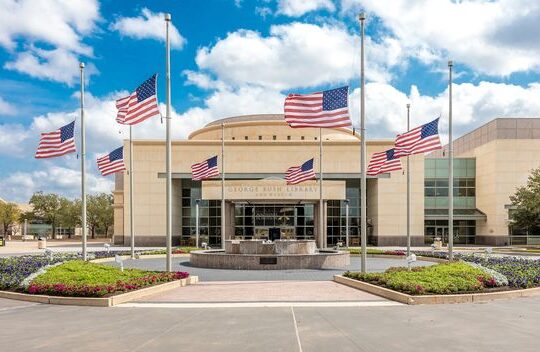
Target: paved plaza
(506,325)
(182,264)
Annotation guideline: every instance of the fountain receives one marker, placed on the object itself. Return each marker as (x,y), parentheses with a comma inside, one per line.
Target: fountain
(259,254)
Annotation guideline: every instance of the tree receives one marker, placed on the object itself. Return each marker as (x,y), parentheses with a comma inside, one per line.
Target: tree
(70,213)
(48,207)
(9,215)
(526,215)
(99,212)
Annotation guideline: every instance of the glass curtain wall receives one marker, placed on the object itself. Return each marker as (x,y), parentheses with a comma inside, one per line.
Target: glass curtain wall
(436,198)
(209,216)
(336,217)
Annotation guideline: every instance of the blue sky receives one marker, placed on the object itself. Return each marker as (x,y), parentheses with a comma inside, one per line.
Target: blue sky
(241,57)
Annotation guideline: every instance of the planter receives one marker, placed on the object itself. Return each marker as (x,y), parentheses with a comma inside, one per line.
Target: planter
(434,299)
(100,301)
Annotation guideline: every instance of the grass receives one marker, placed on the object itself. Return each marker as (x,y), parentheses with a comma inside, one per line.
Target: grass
(447,278)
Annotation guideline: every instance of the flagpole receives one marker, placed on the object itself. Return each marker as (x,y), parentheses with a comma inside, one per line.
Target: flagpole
(222,185)
(450,168)
(83,168)
(131,226)
(363,182)
(408,195)
(321,204)
(168,142)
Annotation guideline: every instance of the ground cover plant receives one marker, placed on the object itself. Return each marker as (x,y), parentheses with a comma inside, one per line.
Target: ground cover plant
(85,279)
(14,270)
(446,278)
(356,250)
(520,272)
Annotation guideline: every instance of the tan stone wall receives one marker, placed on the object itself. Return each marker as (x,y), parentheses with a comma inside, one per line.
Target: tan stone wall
(501,166)
(341,155)
(387,205)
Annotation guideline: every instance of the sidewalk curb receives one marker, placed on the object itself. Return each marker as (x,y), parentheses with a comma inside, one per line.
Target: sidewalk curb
(434,299)
(97,301)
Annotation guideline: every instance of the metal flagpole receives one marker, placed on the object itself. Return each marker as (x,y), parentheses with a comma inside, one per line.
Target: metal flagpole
(363,182)
(197,201)
(131,226)
(83,167)
(168,142)
(408,195)
(222,185)
(450,168)
(321,204)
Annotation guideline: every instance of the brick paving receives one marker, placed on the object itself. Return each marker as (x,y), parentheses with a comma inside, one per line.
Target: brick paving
(262,291)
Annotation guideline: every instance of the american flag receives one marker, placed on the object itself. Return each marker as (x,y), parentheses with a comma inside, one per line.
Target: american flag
(419,140)
(204,170)
(297,174)
(383,162)
(142,104)
(57,143)
(112,162)
(324,109)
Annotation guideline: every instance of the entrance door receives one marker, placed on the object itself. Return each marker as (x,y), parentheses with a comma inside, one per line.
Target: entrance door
(442,233)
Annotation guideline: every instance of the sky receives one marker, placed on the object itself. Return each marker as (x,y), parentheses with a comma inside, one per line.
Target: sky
(233,57)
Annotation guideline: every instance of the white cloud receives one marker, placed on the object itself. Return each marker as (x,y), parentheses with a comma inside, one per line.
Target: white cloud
(6,108)
(20,186)
(492,37)
(473,105)
(297,55)
(59,24)
(58,65)
(297,8)
(149,25)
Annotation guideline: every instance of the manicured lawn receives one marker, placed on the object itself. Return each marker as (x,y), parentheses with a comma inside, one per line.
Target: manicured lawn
(84,279)
(447,278)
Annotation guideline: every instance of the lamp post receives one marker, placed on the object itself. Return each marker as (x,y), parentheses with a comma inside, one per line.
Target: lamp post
(197,235)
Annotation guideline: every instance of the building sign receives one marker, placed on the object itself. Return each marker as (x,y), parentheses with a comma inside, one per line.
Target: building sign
(272,190)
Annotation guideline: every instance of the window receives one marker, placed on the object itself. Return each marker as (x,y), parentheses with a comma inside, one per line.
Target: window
(233,138)
(302,138)
(260,138)
(288,138)
(246,138)
(274,137)
(209,216)
(315,138)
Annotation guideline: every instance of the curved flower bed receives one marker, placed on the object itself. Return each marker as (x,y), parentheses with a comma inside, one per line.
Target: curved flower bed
(83,279)
(447,278)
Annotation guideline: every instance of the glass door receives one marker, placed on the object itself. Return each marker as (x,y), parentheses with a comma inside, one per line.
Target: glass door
(442,233)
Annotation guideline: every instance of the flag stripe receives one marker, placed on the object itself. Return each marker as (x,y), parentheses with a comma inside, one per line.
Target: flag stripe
(413,141)
(112,162)
(140,105)
(205,169)
(327,109)
(57,143)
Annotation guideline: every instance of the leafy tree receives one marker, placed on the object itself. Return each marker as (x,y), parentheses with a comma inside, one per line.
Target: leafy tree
(9,215)
(70,213)
(99,212)
(47,207)
(527,202)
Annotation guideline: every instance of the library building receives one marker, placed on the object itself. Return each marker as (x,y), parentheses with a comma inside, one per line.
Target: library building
(489,163)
